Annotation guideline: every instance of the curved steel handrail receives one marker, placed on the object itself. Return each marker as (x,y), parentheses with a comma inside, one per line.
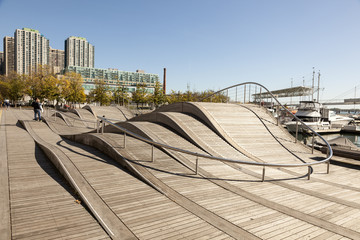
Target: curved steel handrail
(283,107)
(78,119)
(157,144)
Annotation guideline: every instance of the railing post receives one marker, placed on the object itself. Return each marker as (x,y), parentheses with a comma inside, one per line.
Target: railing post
(227,95)
(328,162)
(124,139)
(255,94)
(249,93)
(235,94)
(260,97)
(309,172)
(278,115)
(197,165)
(244,93)
(152,153)
(296,132)
(328,167)
(55,116)
(103,125)
(97,125)
(312,143)
(263,174)
(328,152)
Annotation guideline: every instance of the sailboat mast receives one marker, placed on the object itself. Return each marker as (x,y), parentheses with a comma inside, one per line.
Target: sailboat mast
(312,87)
(318,93)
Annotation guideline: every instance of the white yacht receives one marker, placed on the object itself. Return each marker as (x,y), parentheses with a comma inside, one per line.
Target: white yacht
(338,121)
(312,114)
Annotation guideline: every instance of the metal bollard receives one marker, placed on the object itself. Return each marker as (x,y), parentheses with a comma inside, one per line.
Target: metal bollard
(263,174)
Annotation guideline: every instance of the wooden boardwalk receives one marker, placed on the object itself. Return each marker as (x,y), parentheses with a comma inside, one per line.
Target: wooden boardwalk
(223,201)
(41,204)
(145,212)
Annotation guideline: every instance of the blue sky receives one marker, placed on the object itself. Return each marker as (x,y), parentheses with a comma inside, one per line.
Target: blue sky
(208,44)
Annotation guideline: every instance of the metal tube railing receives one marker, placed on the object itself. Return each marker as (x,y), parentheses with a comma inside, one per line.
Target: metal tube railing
(197,155)
(282,106)
(71,117)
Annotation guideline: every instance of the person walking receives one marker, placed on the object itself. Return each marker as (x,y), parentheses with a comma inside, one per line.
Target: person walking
(7,104)
(37,109)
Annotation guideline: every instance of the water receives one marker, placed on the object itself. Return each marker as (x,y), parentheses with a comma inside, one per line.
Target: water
(354,138)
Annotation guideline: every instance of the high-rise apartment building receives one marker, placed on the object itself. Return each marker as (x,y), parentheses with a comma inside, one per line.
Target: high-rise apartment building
(1,62)
(9,55)
(57,60)
(31,50)
(79,52)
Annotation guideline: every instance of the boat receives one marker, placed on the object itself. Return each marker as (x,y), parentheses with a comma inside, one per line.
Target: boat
(312,114)
(338,121)
(317,117)
(352,127)
(342,147)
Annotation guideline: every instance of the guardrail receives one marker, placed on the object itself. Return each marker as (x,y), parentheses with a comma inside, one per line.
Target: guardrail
(104,120)
(48,113)
(246,95)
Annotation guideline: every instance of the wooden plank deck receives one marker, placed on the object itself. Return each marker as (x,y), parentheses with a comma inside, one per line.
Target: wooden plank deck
(277,196)
(223,200)
(42,205)
(135,203)
(220,201)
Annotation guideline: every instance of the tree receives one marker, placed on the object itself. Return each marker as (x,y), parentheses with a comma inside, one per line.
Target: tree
(120,95)
(174,97)
(12,87)
(101,93)
(158,96)
(139,96)
(4,88)
(71,88)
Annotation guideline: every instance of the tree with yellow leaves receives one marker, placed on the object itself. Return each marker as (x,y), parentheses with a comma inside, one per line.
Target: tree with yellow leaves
(101,93)
(71,89)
